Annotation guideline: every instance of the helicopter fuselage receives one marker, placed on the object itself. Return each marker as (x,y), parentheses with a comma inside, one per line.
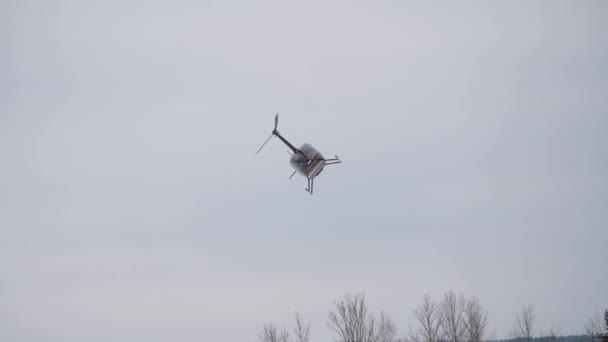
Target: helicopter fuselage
(307,161)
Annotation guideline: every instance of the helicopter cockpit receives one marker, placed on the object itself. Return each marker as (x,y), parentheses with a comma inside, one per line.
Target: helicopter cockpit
(307,160)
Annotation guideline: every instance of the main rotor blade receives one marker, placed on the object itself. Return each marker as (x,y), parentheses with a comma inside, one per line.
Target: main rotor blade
(264,144)
(276,122)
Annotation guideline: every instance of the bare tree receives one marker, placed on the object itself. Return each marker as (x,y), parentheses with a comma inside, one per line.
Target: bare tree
(593,326)
(524,324)
(452,310)
(476,320)
(350,319)
(270,333)
(554,334)
(302,330)
(429,321)
(385,330)
(352,322)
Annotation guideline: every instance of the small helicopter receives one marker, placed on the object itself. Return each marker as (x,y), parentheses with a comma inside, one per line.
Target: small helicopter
(306,160)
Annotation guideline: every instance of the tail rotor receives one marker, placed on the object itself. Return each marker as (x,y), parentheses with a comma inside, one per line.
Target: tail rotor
(274,132)
(264,144)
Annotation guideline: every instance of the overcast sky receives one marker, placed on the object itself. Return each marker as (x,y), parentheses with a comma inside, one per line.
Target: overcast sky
(133,207)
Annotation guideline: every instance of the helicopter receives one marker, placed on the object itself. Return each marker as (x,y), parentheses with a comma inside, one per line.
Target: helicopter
(306,160)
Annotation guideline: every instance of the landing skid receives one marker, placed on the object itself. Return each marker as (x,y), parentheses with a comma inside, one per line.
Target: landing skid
(311,181)
(332,161)
(310,185)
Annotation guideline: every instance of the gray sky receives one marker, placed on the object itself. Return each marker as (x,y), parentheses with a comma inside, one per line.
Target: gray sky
(133,206)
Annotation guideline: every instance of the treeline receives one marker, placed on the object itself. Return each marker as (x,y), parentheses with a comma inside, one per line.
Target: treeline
(453,318)
(549,338)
